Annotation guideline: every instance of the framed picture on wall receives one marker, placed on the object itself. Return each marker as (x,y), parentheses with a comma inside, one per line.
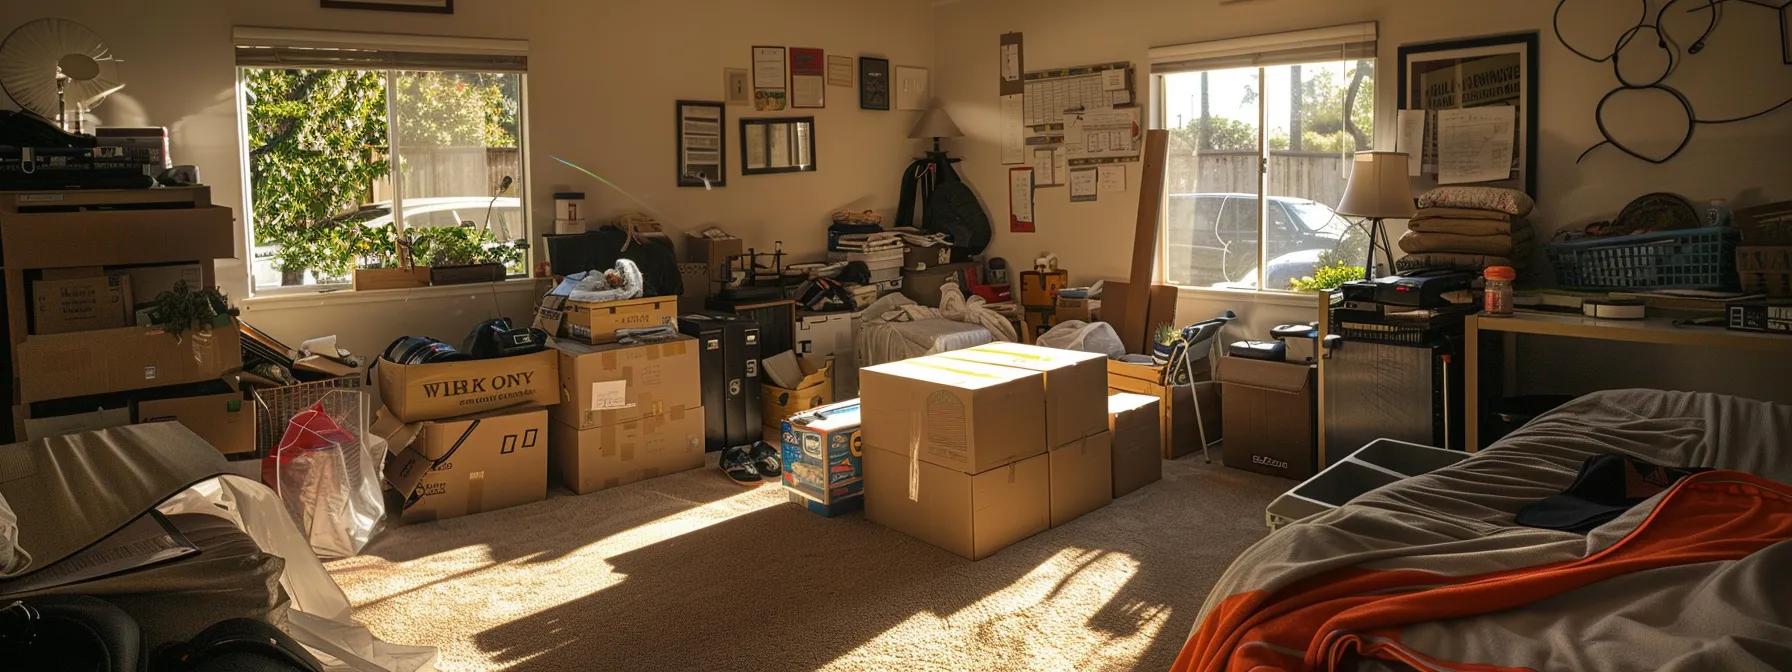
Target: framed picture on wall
(1458,85)
(702,144)
(874,83)
(430,6)
(777,145)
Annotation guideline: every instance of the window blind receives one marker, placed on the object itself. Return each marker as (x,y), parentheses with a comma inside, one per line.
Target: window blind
(1337,43)
(287,48)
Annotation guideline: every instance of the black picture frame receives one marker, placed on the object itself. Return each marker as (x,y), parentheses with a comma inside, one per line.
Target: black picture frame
(1525,44)
(685,113)
(447,6)
(799,149)
(874,83)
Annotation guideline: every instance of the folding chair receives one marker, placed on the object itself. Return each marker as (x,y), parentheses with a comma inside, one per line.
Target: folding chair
(1198,343)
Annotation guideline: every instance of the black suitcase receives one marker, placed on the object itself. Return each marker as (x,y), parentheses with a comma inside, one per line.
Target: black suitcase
(728,361)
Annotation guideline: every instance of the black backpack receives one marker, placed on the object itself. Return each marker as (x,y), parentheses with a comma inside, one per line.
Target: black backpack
(76,633)
(951,207)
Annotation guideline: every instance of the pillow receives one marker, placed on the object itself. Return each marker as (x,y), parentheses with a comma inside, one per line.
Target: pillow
(1507,201)
(12,558)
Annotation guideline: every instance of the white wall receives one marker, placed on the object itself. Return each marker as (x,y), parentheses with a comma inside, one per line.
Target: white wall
(1739,71)
(603,78)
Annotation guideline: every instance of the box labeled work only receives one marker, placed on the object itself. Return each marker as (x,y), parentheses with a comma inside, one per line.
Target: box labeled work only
(419,392)
(452,468)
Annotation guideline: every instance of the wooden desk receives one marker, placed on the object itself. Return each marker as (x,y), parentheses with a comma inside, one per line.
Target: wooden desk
(1659,331)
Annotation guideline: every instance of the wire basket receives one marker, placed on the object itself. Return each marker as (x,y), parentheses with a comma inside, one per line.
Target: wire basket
(274,406)
(1703,258)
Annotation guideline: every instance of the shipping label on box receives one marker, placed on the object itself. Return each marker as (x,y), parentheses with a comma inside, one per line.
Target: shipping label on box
(822,451)
(419,392)
(81,304)
(961,415)
(613,384)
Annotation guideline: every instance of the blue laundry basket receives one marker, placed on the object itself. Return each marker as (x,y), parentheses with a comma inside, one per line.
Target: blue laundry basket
(1703,258)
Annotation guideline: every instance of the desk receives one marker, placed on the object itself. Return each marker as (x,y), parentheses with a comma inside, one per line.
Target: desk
(1659,331)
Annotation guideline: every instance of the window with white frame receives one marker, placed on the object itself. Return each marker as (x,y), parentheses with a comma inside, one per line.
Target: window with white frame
(362,151)
(1262,130)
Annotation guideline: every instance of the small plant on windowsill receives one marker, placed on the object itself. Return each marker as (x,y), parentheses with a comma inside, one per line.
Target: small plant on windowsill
(1329,273)
(182,309)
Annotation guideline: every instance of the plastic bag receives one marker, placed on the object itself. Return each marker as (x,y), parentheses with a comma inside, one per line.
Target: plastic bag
(1096,337)
(328,476)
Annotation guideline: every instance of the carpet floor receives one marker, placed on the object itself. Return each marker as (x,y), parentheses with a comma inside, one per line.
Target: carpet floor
(692,572)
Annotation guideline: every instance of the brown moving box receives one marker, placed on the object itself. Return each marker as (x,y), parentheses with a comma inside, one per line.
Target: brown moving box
(1177,406)
(1082,477)
(815,390)
(596,323)
(589,460)
(80,304)
(1082,310)
(614,384)
(1138,449)
(916,258)
(965,416)
(1270,417)
(715,252)
(223,420)
(1076,385)
(120,360)
(148,282)
(973,516)
(493,461)
(420,392)
(43,428)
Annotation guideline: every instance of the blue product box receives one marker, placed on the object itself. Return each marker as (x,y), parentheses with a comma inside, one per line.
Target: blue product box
(822,453)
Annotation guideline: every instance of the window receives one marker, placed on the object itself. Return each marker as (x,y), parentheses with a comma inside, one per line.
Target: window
(1262,130)
(352,150)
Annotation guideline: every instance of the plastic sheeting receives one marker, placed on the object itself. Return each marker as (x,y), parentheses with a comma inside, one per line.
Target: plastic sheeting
(1096,337)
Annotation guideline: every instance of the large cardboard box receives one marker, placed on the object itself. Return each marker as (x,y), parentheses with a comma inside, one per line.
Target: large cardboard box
(815,390)
(1189,415)
(224,420)
(119,360)
(482,462)
(823,459)
(614,384)
(43,428)
(81,304)
(1076,385)
(961,415)
(715,252)
(600,458)
(1082,477)
(1138,441)
(597,323)
(971,515)
(148,282)
(1271,417)
(420,392)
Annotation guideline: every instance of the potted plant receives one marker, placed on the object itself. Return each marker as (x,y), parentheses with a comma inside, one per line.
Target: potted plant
(383,262)
(1163,342)
(183,309)
(463,254)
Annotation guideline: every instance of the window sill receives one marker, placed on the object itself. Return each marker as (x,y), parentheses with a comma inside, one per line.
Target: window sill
(284,300)
(1252,296)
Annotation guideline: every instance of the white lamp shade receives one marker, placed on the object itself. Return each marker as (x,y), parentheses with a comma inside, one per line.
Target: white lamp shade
(1379,187)
(935,123)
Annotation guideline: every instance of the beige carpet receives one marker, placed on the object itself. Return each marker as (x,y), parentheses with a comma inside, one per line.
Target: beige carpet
(691,572)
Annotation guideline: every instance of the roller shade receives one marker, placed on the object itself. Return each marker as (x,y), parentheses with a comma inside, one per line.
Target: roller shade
(1337,43)
(285,48)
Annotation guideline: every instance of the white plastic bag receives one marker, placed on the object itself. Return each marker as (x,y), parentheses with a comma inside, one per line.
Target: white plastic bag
(326,470)
(1096,337)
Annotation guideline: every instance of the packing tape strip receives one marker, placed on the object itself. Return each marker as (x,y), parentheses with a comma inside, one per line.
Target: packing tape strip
(914,457)
(1614,309)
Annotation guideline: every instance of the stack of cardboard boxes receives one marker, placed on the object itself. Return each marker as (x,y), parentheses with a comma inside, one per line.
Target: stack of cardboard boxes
(629,413)
(976,449)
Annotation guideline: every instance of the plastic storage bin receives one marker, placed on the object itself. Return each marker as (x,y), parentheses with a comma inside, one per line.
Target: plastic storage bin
(1382,462)
(1702,258)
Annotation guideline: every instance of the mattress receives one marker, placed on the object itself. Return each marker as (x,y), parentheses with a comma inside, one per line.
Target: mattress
(896,341)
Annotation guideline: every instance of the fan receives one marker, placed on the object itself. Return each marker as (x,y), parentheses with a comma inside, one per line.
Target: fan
(49,64)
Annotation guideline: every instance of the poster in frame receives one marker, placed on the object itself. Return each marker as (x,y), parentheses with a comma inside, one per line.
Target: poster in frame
(1476,72)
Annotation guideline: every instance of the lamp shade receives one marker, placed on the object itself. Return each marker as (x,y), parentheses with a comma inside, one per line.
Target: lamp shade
(935,123)
(1379,187)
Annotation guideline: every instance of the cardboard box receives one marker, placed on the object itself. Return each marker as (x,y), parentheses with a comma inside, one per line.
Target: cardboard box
(1270,417)
(148,282)
(715,252)
(614,384)
(1035,324)
(482,462)
(1160,308)
(822,458)
(43,428)
(925,286)
(588,460)
(596,323)
(815,390)
(224,420)
(1138,442)
(420,392)
(1081,310)
(1177,406)
(971,515)
(824,335)
(961,415)
(922,258)
(1082,477)
(81,304)
(119,360)
(1039,290)
(1076,387)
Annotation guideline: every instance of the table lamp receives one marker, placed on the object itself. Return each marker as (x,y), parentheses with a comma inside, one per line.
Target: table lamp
(1379,189)
(936,124)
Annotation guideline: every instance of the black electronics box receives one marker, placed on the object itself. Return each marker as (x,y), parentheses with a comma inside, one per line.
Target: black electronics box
(728,352)
(1773,316)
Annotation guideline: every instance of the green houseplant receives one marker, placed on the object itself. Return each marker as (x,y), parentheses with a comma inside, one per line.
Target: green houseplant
(182,309)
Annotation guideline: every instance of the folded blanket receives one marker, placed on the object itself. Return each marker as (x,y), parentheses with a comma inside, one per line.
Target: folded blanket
(1480,198)
(1461,262)
(1461,213)
(1503,245)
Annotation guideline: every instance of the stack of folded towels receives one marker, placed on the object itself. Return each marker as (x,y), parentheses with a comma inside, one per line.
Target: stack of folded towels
(1469,228)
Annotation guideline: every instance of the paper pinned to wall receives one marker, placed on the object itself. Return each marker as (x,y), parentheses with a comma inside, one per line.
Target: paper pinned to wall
(1011,62)
(1083,185)
(1014,132)
(1113,80)
(1044,165)
(1475,144)
(1020,200)
(1098,137)
(1412,140)
(1111,179)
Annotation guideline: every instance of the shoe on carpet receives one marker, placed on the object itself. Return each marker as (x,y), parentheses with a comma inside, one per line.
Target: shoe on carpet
(767,459)
(738,465)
